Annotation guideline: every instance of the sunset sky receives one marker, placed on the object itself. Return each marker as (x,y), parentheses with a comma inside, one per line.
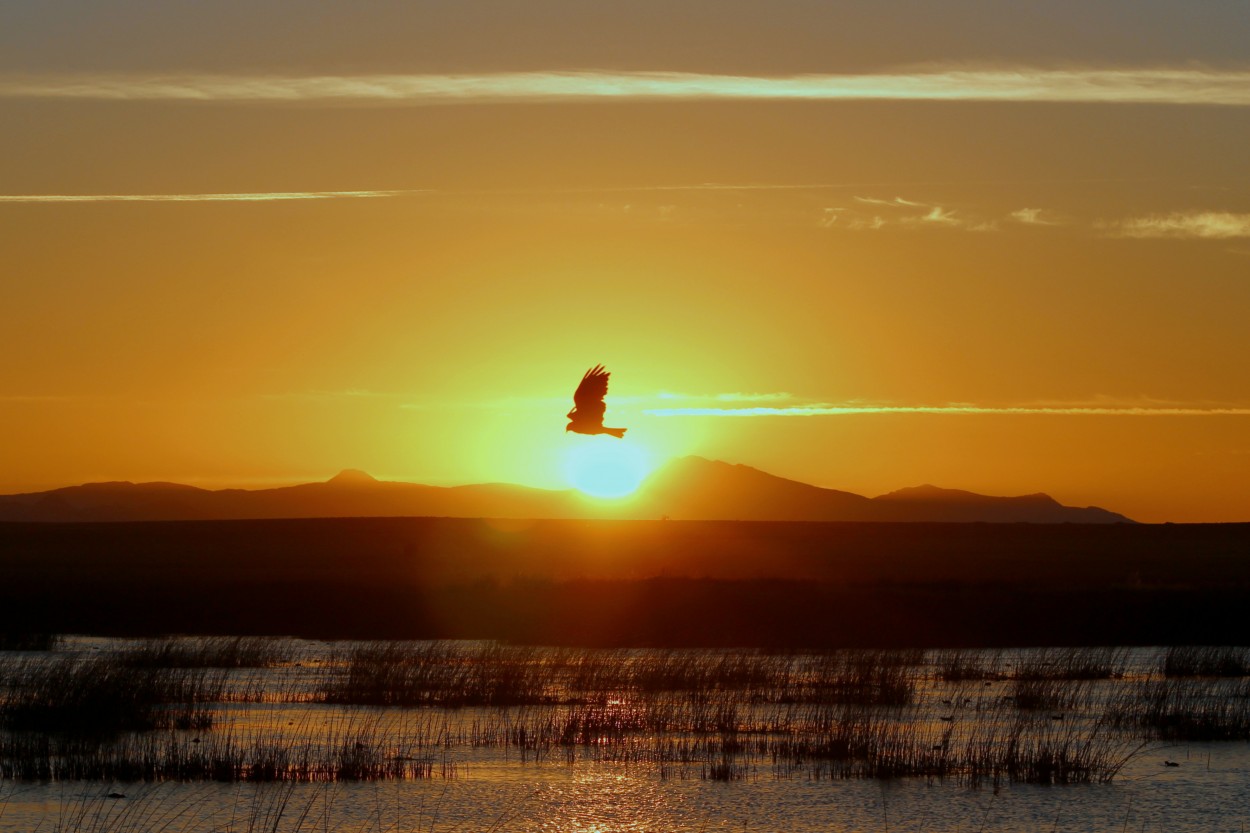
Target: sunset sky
(997,246)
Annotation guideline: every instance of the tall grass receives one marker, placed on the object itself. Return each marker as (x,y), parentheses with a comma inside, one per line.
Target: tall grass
(206,652)
(435,674)
(1186,710)
(1072,664)
(1206,661)
(101,695)
(183,710)
(965,665)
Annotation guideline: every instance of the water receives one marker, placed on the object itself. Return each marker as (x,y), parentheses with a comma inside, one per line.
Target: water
(621,785)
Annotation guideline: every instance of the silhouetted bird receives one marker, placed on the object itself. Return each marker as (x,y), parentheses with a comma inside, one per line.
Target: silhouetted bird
(587,414)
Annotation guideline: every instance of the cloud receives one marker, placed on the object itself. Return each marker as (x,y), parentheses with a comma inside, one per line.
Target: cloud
(897,202)
(828,217)
(753,397)
(1139,86)
(965,409)
(260,196)
(874,223)
(778,396)
(941,216)
(935,216)
(1032,217)
(1208,225)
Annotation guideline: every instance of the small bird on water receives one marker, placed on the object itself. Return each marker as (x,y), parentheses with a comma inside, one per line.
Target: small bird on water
(588,406)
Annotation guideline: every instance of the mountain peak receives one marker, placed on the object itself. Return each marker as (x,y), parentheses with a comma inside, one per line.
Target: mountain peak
(352,477)
(929,492)
(688,488)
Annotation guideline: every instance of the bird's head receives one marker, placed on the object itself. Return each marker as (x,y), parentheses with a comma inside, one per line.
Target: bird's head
(568,428)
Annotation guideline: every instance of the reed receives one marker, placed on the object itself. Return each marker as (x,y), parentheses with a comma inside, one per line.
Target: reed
(413,710)
(206,652)
(1073,664)
(1206,661)
(102,695)
(962,666)
(1181,710)
(434,674)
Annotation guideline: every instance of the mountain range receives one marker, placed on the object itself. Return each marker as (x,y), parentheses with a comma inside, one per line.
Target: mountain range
(690,488)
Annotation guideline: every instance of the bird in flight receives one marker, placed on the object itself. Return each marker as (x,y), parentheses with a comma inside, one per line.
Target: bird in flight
(587,414)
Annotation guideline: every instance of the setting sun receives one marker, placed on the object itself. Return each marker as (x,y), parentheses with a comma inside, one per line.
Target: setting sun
(604,467)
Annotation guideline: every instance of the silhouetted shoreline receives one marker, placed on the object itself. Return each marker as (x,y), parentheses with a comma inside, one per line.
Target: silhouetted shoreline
(658,583)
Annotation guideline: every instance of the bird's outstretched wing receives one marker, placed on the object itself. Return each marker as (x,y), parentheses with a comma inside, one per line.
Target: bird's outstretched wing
(590,393)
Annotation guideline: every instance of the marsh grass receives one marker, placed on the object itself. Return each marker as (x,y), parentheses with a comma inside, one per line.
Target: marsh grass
(392,711)
(962,665)
(1206,661)
(1186,709)
(448,675)
(347,750)
(104,695)
(206,652)
(1072,664)
(435,674)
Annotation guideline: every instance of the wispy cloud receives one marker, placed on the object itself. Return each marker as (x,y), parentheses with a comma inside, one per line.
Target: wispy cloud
(1033,217)
(851,410)
(941,217)
(1212,225)
(1144,86)
(257,196)
(778,396)
(904,215)
(897,202)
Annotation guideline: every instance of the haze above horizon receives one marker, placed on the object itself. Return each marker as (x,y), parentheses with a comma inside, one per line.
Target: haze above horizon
(996,246)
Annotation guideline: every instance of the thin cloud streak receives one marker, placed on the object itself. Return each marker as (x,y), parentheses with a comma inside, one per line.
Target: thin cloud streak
(262,196)
(735,396)
(1207,225)
(1142,86)
(850,410)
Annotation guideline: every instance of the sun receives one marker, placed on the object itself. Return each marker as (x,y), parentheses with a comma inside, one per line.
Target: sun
(605,467)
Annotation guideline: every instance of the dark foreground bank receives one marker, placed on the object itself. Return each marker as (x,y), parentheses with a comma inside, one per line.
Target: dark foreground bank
(636,582)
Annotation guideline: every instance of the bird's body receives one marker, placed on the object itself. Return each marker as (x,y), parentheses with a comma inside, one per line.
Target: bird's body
(588,405)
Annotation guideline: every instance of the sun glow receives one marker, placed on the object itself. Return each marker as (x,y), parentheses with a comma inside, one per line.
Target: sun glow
(605,467)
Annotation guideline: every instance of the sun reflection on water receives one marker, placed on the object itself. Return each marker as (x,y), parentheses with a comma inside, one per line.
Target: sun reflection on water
(601,798)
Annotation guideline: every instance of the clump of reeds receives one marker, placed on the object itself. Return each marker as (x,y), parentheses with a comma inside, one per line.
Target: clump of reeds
(1206,661)
(1073,664)
(962,666)
(727,768)
(435,674)
(206,652)
(1186,710)
(1043,753)
(863,678)
(705,671)
(1050,694)
(102,695)
(345,751)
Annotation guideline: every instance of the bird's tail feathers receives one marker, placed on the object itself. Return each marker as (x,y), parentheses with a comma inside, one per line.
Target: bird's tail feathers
(616,432)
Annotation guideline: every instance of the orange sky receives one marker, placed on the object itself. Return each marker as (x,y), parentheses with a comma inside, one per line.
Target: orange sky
(1033,228)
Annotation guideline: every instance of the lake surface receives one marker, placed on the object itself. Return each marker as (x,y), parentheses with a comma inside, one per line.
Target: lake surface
(665,759)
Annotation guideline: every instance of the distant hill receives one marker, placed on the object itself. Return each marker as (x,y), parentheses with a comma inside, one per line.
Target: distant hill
(690,488)
(694,488)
